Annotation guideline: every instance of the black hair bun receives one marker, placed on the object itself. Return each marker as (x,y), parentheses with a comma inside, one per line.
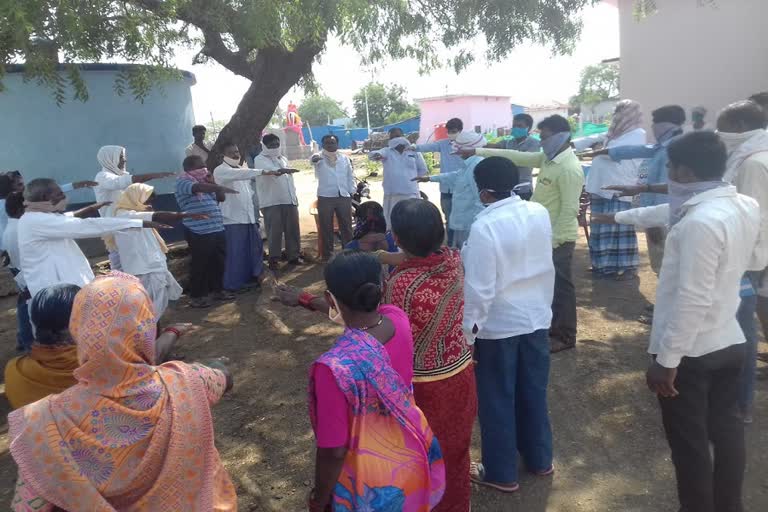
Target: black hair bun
(368,297)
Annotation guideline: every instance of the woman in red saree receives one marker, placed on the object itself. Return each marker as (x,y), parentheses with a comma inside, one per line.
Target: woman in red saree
(428,284)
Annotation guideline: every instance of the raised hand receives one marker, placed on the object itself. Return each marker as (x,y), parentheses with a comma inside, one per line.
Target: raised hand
(316,158)
(194,216)
(603,218)
(84,184)
(228,190)
(626,190)
(421,179)
(156,225)
(287,171)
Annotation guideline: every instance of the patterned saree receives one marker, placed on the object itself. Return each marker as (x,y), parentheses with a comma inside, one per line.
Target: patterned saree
(393,462)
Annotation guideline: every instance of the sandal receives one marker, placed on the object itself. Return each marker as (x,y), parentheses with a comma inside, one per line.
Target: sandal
(477,476)
(627,275)
(546,472)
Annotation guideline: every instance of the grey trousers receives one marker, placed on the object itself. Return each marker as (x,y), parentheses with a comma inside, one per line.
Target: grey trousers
(282,221)
(327,207)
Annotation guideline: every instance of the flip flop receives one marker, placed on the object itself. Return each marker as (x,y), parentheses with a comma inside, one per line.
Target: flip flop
(545,472)
(477,476)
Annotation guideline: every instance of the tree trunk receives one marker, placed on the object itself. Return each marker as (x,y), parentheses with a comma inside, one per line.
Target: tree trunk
(275,72)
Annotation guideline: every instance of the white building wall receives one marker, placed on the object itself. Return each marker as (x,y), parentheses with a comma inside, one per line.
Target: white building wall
(692,55)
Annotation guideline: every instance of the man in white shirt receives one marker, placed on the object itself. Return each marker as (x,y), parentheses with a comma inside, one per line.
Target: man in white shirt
(508,287)
(245,252)
(696,339)
(198,146)
(401,167)
(335,186)
(47,250)
(112,180)
(279,203)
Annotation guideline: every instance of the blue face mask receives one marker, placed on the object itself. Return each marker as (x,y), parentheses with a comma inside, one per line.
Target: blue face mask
(519,133)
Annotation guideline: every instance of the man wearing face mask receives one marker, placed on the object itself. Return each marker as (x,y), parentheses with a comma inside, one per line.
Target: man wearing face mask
(698,345)
(111,181)
(244,261)
(335,186)
(521,140)
(48,252)
(558,189)
(668,124)
(401,166)
(279,203)
(449,162)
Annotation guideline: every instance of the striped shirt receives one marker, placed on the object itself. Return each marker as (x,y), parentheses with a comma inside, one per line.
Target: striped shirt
(206,204)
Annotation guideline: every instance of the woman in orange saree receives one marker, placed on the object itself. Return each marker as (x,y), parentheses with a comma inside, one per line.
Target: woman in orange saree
(130,435)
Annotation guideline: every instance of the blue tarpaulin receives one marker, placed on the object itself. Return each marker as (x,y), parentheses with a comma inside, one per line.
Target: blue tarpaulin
(347,135)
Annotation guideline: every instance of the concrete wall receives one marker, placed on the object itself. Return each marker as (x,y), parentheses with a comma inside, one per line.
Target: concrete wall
(693,55)
(44,140)
(488,112)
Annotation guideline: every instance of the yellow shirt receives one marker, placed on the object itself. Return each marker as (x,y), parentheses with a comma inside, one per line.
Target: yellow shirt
(558,187)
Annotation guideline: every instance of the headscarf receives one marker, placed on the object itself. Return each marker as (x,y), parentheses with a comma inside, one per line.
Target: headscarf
(370,219)
(626,118)
(134,198)
(120,438)
(108,157)
(469,140)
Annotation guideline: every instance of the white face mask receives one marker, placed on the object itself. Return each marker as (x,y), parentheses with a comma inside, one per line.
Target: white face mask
(232,161)
(271,152)
(732,141)
(334,314)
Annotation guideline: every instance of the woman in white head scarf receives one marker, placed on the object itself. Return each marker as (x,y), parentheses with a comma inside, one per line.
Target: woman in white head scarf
(112,180)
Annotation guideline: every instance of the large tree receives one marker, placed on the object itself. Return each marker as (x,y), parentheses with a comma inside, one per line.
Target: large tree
(598,83)
(319,109)
(271,43)
(385,104)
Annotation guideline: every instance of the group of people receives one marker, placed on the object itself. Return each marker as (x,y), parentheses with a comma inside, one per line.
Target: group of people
(441,326)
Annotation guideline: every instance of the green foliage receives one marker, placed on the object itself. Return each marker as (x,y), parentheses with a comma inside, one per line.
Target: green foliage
(598,83)
(431,160)
(319,109)
(386,104)
(237,33)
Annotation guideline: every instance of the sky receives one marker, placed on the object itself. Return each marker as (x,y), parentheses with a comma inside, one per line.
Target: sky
(530,75)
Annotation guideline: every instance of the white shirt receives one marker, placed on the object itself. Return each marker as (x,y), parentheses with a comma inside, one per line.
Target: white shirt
(110,187)
(400,169)
(194,149)
(237,208)
(705,256)
(509,277)
(335,181)
(48,252)
(3,223)
(10,239)
(605,171)
(140,252)
(274,190)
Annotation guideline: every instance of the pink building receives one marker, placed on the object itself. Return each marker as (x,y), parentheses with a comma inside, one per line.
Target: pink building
(478,112)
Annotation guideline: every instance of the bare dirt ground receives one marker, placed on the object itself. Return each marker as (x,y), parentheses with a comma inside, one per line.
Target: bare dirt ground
(611,455)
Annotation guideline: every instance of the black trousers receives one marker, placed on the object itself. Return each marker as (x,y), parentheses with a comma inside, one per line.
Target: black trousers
(707,411)
(564,299)
(207,255)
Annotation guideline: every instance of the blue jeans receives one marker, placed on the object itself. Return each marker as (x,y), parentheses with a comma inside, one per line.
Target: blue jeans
(512,376)
(24,334)
(746,317)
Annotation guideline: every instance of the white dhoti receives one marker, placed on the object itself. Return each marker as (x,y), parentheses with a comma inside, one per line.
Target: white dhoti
(390,200)
(162,288)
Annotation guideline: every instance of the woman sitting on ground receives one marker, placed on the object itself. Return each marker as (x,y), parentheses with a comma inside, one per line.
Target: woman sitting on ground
(47,368)
(371,229)
(375,450)
(130,435)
